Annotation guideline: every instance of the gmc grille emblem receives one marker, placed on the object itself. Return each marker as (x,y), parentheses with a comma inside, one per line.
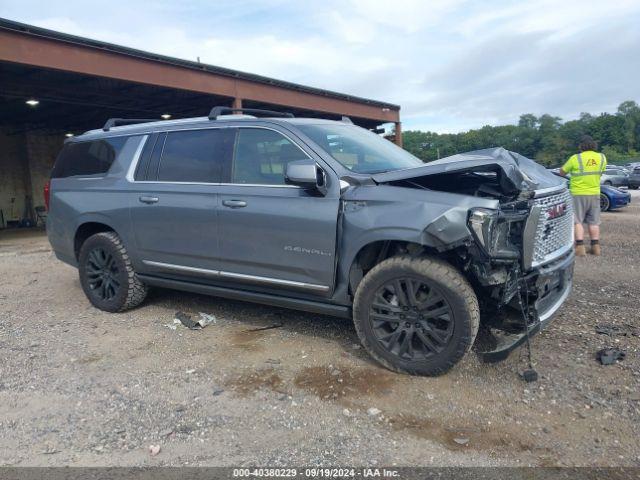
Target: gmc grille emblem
(556,211)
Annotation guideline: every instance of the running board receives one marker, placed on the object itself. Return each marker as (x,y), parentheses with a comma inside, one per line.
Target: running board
(255,297)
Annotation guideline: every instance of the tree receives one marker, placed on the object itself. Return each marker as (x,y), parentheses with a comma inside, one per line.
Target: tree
(545,138)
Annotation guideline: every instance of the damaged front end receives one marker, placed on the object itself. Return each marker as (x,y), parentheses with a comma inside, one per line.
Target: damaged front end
(522,269)
(518,253)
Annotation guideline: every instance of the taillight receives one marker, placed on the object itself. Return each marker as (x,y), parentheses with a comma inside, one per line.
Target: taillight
(47,193)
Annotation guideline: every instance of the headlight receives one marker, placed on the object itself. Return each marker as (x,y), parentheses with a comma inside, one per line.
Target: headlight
(482,222)
(492,231)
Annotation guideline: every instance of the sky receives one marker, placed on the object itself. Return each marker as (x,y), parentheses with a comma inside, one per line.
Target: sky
(451,65)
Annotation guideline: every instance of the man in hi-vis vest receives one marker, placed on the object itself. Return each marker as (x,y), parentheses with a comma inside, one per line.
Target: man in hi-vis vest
(585,170)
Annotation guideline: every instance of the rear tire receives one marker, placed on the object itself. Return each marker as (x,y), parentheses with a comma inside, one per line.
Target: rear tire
(605,204)
(425,329)
(107,276)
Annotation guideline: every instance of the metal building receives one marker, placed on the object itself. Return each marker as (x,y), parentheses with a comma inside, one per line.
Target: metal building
(53,84)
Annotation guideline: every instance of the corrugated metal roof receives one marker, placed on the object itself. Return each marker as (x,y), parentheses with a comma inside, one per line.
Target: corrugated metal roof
(23,28)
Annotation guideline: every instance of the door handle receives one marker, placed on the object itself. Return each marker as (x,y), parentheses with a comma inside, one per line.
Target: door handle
(148,199)
(234,203)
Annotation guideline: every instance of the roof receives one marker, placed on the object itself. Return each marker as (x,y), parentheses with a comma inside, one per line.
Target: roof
(186,123)
(31,30)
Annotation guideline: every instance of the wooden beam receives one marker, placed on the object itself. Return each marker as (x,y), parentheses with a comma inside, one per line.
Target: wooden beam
(44,52)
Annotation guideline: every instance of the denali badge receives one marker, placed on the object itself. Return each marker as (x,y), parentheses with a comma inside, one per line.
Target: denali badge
(308,251)
(556,211)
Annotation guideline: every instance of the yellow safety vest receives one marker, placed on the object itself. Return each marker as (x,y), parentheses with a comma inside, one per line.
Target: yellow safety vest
(585,169)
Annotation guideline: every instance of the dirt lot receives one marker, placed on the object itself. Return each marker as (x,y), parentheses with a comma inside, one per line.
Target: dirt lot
(83,387)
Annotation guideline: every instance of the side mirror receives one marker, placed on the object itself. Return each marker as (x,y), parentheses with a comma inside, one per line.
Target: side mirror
(306,174)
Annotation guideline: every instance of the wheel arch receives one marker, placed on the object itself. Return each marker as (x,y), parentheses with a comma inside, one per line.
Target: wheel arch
(86,230)
(372,253)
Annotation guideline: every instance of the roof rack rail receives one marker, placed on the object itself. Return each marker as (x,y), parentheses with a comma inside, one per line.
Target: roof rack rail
(116,122)
(217,111)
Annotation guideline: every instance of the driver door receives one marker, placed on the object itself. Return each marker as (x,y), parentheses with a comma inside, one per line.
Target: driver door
(273,235)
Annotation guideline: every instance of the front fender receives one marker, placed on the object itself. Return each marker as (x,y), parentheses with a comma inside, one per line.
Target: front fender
(381,213)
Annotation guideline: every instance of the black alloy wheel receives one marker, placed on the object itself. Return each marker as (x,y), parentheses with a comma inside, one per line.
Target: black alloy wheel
(416,314)
(107,275)
(411,318)
(103,275)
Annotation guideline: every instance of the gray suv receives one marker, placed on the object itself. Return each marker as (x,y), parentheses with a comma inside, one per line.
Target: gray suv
(321,216)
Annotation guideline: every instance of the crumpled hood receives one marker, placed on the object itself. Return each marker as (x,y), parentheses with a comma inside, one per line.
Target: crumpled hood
(515,171)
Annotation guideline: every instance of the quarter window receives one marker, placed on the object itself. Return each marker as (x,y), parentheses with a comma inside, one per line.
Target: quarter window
(87,158)
(195,156)
(261,157)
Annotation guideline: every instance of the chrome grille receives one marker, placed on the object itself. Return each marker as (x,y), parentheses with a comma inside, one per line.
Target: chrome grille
(554,232)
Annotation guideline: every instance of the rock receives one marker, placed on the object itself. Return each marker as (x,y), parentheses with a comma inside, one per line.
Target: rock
(346,412)
(217,391)
(154,450)
(373,411)
(461,440)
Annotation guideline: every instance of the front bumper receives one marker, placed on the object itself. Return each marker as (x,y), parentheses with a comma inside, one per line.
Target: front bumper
(553,283)
(620,200)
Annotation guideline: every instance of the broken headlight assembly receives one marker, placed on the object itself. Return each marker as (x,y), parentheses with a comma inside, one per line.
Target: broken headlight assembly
(498,235)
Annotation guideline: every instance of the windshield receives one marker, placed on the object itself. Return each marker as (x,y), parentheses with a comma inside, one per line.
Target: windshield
(360,150)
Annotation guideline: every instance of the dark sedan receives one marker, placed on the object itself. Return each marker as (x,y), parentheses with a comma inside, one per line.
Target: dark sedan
(634,178)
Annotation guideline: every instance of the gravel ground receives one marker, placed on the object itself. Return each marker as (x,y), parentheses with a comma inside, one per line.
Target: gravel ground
(82,387)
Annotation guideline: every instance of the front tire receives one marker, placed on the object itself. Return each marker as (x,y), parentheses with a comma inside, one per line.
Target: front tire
(416,315)
(106,274)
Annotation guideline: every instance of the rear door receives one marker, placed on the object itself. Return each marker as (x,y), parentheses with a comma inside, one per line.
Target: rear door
(174,199)
(273,235)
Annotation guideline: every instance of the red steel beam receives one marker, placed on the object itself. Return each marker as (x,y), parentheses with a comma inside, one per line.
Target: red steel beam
(60,55)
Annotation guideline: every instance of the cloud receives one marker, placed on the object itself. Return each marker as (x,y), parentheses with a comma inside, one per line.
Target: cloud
(450,64)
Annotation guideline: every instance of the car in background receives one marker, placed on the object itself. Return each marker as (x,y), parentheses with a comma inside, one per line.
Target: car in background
(634,177)
(615,176)
(612,198)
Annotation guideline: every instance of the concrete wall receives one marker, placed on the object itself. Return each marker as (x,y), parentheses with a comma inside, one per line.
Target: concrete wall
(25,165)
(42,151)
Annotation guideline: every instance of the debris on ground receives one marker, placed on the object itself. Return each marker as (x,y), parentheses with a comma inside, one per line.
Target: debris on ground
(259,329)
(608,356)
(154,450)
(373,411)
(612,330)
(206,319)
(461,440)
(217,391)
(186,320)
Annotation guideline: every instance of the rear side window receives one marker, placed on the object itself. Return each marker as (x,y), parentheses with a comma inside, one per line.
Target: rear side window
(87,158)
(196,156)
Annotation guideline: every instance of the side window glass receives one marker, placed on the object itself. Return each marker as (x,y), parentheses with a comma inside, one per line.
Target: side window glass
(261,157)
(87,158)
(195,156)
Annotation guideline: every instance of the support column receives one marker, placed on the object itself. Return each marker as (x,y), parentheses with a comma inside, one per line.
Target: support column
(399,134)
(237,103)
